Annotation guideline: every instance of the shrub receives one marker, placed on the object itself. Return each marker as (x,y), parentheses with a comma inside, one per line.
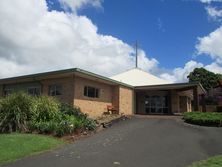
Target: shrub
(89,124)
(42,114)
(203,118)
(215,161)
(66,124)
(45,108)
(79,120)
(68,109)
(15,111)
(63,129)
(43,127)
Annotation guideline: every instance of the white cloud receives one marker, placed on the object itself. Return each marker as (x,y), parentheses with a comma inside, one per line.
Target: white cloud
(32,39)
(180,74)
(210,1)
(77,4)
(214,67)
(146,64)
(214,13)
(211,45)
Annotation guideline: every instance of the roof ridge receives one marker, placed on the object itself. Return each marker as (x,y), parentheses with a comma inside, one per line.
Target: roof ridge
(138,77)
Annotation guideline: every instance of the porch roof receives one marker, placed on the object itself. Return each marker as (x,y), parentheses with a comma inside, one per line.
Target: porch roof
(175,86)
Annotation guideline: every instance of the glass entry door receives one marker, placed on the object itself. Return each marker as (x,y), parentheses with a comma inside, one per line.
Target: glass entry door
(156,104)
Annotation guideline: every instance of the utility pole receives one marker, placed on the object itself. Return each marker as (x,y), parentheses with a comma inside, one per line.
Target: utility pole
(136,53)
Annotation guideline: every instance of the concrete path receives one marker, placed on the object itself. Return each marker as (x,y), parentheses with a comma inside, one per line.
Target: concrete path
(138,142)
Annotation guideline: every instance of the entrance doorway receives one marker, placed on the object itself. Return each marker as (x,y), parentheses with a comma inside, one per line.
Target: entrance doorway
(152,102)
(156,104)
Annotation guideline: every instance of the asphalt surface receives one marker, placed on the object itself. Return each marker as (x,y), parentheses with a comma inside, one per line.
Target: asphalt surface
(138,142)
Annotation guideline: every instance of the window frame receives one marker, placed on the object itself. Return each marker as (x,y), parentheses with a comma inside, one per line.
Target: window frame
(34,93)
(7,89)
(96,93)
(54,88)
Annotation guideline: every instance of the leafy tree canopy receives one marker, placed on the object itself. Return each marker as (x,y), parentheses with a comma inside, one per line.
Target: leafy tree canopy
(206,78)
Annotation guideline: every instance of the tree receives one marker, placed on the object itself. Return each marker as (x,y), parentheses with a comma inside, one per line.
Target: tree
(206,78)
(219,76)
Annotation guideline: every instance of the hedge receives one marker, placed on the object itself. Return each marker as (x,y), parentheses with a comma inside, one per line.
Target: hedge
(203,118)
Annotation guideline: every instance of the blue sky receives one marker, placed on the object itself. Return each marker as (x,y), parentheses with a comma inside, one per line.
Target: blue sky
(166,29)
(174,36)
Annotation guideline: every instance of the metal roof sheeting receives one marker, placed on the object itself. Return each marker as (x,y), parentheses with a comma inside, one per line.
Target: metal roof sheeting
(138,77)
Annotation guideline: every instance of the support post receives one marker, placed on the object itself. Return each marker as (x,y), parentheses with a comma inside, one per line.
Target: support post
(195,98)
(170,102)
(203,103)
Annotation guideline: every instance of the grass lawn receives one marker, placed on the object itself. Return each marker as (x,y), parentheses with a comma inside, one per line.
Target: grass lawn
(211,162)
(15,146)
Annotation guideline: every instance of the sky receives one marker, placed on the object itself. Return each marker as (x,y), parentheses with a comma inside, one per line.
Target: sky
(174,36)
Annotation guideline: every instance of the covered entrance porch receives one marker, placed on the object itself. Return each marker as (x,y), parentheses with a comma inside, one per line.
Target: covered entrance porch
(168,99)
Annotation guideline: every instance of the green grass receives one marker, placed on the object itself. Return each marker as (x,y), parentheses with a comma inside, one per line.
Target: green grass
(203,118)
(211,162)
(15,146)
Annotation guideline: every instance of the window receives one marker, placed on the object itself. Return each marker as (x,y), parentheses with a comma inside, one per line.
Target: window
(34,91)
(91,92)
(7,92)
(55,90)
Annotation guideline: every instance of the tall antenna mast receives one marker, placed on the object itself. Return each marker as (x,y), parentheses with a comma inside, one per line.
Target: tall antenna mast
(136,49)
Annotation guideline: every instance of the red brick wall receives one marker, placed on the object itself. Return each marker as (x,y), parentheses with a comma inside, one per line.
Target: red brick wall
(67,88)
(94,107)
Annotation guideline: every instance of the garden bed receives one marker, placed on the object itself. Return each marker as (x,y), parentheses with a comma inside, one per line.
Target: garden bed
(42,114)
(203,118)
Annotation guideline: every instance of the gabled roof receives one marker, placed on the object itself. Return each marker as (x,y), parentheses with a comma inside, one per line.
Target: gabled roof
(138,77)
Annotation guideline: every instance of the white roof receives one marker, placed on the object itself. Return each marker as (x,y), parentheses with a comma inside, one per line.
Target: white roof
(138,77)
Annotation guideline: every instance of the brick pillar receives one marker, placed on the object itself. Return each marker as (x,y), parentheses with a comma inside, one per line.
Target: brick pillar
(170,102)
(195,98)
(115,97)
(203,103)
(175,107)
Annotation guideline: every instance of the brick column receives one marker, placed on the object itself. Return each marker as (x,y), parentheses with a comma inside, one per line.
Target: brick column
(175,106)
(203,103)
(195,98)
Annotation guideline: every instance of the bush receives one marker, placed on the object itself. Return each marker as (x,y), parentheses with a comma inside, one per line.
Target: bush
(80,120)
(210,162)
(68,109)
(15,111)
(43,127)
(45,108)
(69,124)
(89,124)
(59,127)
(203,118)
(63,124)
(42,114)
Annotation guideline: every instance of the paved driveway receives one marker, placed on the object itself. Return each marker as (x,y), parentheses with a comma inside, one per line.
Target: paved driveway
(138,142)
